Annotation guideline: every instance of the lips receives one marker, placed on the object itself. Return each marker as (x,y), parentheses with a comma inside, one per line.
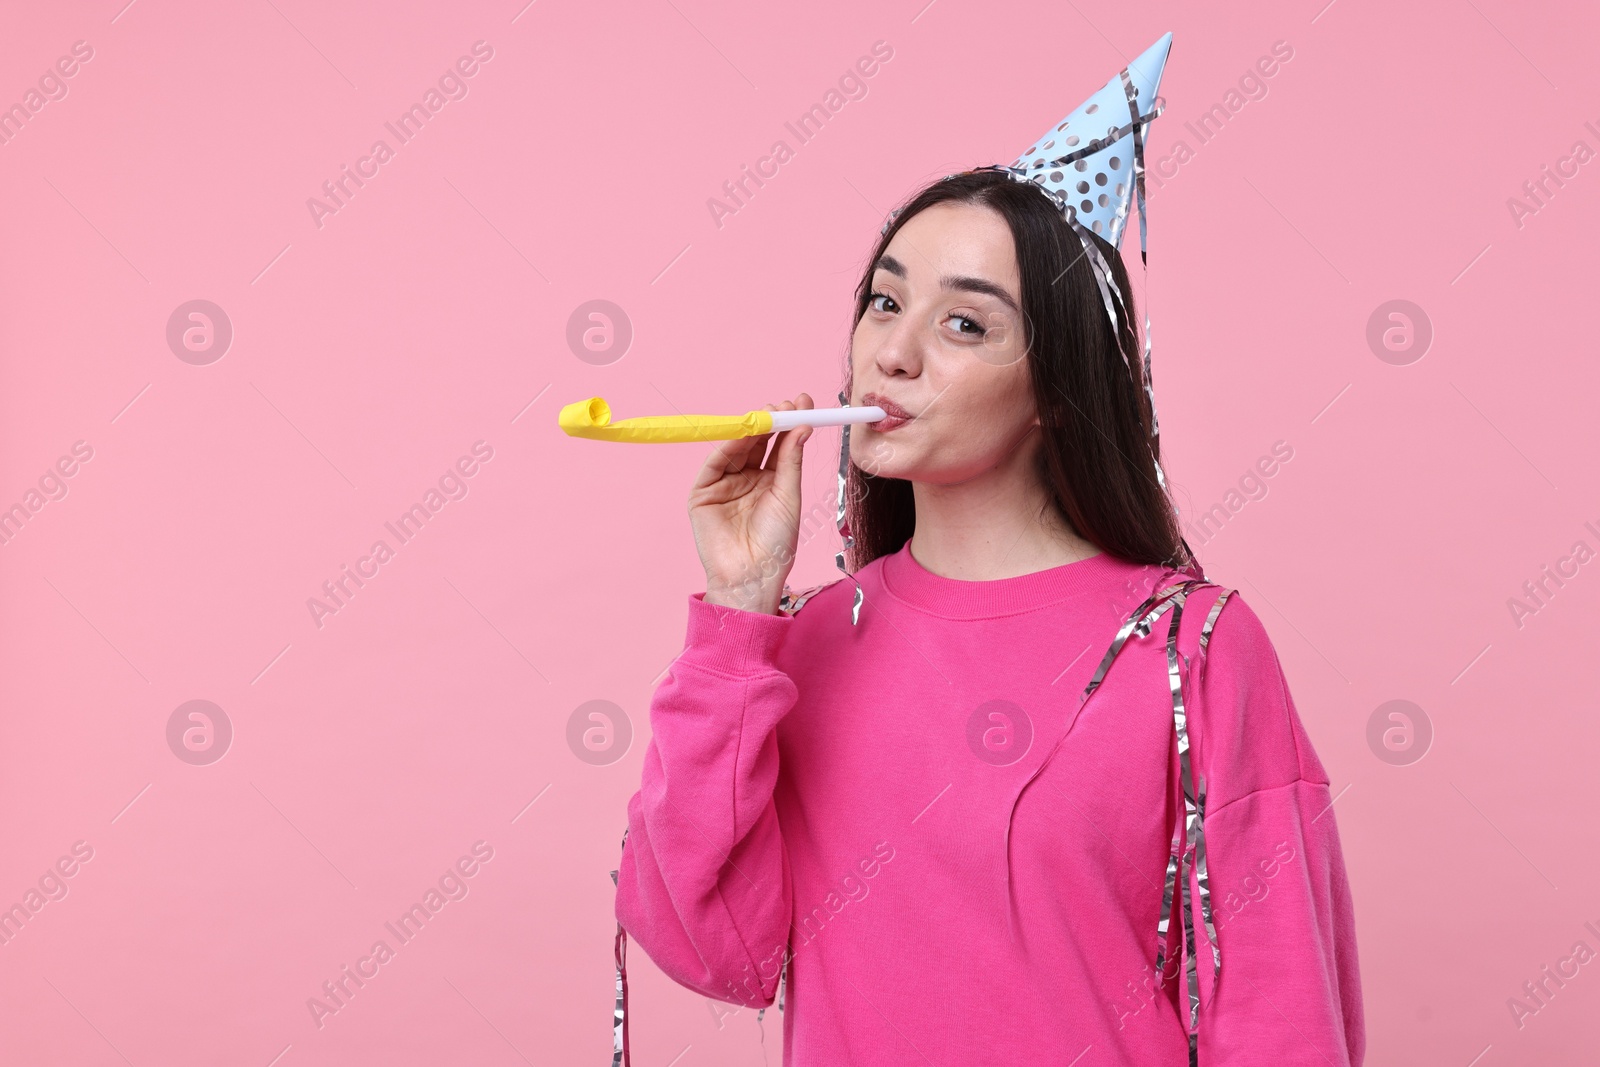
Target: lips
(895,414)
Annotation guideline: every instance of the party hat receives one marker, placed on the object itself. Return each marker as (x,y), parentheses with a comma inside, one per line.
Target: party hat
(1092,161)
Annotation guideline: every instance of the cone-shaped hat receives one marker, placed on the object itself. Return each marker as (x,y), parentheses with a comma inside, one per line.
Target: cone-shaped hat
(1092,161)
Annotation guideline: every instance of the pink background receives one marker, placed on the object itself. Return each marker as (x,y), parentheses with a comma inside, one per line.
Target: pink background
(431,312)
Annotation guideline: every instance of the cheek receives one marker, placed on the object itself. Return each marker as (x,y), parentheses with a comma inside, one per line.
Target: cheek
(983,411)
(993,405)
(1002,346)
(862,343)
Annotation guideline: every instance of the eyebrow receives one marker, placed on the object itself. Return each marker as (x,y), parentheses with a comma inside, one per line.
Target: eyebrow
(963,282)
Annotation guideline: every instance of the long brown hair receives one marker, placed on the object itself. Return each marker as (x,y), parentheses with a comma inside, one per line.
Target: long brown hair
(1097,455)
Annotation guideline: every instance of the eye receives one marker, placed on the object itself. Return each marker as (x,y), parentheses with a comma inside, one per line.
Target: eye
(977,327)
(873,302)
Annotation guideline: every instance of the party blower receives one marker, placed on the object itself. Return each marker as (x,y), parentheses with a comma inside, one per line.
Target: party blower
(592,419)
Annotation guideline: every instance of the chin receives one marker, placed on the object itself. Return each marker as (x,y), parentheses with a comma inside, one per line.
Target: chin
(873,452)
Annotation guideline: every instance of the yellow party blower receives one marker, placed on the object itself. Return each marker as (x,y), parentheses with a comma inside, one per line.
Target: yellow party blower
(592,419)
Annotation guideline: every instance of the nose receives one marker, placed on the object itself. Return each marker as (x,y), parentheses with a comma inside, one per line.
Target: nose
(900,349)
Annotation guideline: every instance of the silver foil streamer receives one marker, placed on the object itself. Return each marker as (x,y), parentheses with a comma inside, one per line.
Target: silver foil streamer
(1211,620)
(1136,196)
(619,1013)
(790,602)
(1122,211)
(1192,843)
(846,539)
(1138,123)
(1109,290)
(1112,136)
(1193,807)
(1188,841)
(783,983)
(1111,295)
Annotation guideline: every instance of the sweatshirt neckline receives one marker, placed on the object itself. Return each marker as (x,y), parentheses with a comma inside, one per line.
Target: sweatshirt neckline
(955,598)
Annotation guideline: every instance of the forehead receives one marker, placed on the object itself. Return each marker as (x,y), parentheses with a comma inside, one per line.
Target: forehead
(957,239)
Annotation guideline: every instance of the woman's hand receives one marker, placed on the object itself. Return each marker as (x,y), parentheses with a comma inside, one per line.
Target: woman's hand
(746,517)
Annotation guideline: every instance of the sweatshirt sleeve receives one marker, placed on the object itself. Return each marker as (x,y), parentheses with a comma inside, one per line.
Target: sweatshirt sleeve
(703,884)
(1289,991)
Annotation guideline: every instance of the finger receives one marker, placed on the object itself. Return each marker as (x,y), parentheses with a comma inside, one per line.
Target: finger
(780,435)
(726,457)
(801,402)
(788,459)
(755,448)
(775,457)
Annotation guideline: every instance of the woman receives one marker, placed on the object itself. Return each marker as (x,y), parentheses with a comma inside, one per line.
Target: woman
(949,826)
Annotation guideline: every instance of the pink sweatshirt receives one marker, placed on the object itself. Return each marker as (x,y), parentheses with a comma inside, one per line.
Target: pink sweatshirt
(962,858)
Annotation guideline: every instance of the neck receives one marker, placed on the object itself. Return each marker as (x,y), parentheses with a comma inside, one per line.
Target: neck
(998,524)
